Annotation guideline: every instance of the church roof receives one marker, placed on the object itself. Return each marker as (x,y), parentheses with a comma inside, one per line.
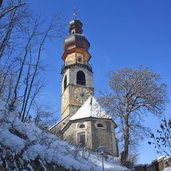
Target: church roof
(91,108)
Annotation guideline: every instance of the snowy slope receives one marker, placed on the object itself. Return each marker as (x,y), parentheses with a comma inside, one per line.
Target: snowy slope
(28,142)
(167,169)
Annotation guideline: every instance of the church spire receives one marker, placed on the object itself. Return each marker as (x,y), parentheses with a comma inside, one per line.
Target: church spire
(76,41)
(75,25)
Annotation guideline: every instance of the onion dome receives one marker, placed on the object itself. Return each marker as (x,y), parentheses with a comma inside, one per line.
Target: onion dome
(76,39)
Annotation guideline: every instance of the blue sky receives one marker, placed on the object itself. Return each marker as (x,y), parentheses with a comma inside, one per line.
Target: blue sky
(122,33)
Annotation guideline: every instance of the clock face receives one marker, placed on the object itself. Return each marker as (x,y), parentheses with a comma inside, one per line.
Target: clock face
(81,94)
(71,60)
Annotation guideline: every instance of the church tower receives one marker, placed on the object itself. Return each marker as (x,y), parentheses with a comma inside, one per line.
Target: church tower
(84,122)
(77,74)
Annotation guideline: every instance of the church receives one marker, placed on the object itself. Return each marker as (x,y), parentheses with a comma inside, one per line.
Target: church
(83,121)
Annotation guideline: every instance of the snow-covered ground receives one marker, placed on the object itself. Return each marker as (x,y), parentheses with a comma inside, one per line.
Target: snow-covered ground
(31,142)
(167,169)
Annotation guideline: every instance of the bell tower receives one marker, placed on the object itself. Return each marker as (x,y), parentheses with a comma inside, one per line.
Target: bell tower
(84,122)
(77,74)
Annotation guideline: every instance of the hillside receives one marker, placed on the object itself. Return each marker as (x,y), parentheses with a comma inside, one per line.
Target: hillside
(23,146)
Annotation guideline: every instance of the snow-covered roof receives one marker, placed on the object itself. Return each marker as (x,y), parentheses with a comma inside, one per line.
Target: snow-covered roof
(91,108)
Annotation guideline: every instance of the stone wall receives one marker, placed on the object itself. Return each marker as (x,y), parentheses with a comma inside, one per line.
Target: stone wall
(103,136)
(95,136)
(71,133)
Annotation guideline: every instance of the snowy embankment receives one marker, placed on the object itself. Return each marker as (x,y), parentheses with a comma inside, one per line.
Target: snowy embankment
(23,143)
(167,169)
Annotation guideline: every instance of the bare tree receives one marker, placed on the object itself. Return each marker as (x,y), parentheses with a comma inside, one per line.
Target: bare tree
(40,49)
(13,6)
(1,1)
(21,69)
(134,93)
(13,15)
(23,39)
(43,116)
(162,140)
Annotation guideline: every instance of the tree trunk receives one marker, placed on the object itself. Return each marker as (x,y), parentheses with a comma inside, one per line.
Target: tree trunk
(124,154)
(1,1)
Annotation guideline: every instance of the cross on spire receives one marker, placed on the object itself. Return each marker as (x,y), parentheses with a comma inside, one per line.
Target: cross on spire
(75,13)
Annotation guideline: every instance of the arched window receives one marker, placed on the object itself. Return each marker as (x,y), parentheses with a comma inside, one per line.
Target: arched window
(65,82)
(100,125)
(81,78)
(81,139)
(81,126)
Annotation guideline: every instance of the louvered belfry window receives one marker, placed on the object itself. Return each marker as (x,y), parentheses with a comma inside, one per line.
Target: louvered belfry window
(81,78)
